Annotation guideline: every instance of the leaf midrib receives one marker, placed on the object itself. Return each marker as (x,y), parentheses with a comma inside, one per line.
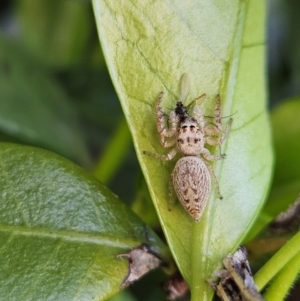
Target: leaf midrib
(230,88)
(96,238)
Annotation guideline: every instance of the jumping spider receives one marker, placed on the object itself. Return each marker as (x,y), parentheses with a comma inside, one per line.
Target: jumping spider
(191,176)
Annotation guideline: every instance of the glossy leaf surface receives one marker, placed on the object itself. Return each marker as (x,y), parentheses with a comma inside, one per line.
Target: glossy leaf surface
(148,45)
(61,230)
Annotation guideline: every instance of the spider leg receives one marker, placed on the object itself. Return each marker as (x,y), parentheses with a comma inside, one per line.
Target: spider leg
(199,117)
(166,157)
(216,128)
(208,156)
(170,142)
(215,180)
(218,119)
(160,123)
(219,140)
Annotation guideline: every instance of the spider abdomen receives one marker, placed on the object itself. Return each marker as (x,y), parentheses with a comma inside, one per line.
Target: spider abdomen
(192,184)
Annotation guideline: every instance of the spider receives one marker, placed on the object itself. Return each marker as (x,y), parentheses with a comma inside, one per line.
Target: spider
(188,135)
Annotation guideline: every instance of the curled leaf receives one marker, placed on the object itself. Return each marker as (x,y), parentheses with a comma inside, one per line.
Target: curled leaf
(141,261)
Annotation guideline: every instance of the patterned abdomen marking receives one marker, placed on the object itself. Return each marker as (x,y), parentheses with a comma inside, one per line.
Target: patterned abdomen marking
(192,183)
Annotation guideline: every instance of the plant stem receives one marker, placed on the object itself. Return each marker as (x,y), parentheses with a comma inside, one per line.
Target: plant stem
(283,282)
(114,154)
(277,262)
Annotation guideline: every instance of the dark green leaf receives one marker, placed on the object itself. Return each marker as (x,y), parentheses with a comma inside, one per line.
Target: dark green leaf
(61,230)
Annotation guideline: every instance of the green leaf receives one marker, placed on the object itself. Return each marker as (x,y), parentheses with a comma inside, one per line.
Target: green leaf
(61,230)
(221,45)
(286,133)
(286,183)
(56,31)
(34,108)
(283,283)
(114,154)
